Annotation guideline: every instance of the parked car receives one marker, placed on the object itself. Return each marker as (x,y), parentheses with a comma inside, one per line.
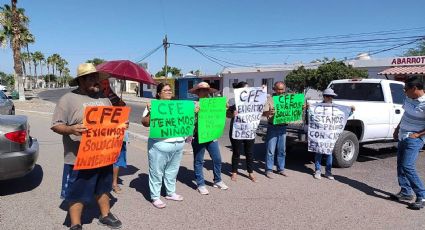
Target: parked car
(378,111)
(6,105)
(18,150)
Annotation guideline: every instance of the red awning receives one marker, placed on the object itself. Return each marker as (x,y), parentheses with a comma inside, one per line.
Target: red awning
(403,70)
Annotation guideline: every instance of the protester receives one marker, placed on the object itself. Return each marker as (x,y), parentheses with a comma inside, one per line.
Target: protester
(328,95)
(247,144)
(276,135)
(79,186)
(203,90)
(410,135)
(164,156)
(122,158)
(136,89)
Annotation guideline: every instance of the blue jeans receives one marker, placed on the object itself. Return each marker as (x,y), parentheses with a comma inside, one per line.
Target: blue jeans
(198,162)
(318,162)
(408,178)
(164,163)
(275,140)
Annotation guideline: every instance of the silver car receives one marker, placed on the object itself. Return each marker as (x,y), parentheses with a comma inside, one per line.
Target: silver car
(18,150)
(6,104)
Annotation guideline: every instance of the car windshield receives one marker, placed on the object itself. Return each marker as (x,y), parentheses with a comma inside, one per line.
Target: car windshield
(358,91)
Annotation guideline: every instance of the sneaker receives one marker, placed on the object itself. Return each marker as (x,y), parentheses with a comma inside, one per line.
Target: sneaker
(175,197)
(329,176)
(111,221)
(401,197)
(76,227)
(158,204)
(203,190)
(417,205)
(318,175)
(269,175)
(221,185)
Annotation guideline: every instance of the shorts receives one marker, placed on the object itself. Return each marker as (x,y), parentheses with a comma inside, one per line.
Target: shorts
(122,158)
(83,185)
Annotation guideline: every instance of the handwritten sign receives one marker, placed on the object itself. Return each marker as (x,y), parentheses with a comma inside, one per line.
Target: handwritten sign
(249,106)
(288,108)
(101,144)
(211,118)
(326,123)
(172,118)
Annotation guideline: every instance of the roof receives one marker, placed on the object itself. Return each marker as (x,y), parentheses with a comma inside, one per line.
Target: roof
(403,70)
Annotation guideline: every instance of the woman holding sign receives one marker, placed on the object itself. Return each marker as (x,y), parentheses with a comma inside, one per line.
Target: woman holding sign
(248,144)
(203,90)
(164,155)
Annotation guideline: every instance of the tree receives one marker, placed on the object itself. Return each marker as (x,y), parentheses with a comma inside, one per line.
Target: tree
(37,57)
(418,51)
(61,64)
(54,60)
(301,78)
(96,61)
(7,80)
(173,70)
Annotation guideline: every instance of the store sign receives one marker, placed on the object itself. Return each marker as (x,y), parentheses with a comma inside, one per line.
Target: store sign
(414,60)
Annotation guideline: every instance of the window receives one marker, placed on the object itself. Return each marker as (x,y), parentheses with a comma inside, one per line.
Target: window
(190,84)
(397,93)
(269,83)
(250,82)
(358,91)
(2,95)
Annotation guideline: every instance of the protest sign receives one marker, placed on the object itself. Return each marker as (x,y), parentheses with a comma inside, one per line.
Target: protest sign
(249,106)
(326,123)
(101,144)
(288,108)
(211,118)
(171,118)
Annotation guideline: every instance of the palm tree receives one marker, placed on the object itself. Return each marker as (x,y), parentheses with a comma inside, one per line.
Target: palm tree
(36,58)
(55,60)
(13,20)
(49,62)
(60,67)
(25,59)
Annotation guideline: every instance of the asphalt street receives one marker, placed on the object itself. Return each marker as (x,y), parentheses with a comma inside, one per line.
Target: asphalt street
(357,199)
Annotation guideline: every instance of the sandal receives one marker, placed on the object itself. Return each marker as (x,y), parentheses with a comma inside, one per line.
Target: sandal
(117,189)
(234,177)
(175,197)
(252,177)
(158,204)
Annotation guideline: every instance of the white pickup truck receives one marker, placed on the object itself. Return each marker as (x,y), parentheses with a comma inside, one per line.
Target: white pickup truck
(378,110)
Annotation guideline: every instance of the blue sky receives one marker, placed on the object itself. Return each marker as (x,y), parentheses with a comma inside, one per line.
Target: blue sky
(128,29)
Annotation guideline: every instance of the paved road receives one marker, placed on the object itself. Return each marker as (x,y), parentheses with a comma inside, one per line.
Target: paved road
(358,199)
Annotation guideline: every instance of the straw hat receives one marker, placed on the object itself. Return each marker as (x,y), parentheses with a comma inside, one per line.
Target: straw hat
(83,70)
(202,85)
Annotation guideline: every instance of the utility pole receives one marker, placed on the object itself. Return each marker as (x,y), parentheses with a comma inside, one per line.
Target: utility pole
(165,44)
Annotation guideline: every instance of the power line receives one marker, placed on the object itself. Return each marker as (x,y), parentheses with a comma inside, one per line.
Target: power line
(149,53)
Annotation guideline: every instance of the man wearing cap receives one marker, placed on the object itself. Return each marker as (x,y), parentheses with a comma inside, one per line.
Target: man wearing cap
(80,186)
(276,135)
(203,90)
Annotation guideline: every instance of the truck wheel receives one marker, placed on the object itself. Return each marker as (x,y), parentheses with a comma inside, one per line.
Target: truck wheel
(346,150)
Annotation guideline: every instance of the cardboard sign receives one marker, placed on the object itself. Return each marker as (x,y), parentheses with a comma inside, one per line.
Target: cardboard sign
(326,123)
(288,108)
(249,106)
(211,118)
(171,118)
(101,144)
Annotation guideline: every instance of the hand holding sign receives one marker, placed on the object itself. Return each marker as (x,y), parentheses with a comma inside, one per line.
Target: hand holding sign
(77,129)
(101,143)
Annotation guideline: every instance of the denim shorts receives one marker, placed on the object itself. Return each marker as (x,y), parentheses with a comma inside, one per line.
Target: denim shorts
(122,158)
(83,185)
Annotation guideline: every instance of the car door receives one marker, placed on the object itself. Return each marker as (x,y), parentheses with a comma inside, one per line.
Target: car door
(398,97)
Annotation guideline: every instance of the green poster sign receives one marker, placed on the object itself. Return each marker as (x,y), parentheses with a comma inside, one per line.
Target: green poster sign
(288,108)
(211,118)
(171,118)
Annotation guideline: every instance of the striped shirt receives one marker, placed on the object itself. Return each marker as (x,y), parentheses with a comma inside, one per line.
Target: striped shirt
(413,119)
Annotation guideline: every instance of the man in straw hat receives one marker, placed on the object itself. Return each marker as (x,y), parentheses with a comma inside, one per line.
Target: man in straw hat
(203,90)
(79,186)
